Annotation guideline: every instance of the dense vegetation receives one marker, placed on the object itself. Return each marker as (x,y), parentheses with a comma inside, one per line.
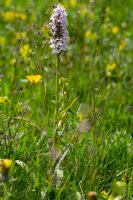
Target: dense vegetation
(92,149)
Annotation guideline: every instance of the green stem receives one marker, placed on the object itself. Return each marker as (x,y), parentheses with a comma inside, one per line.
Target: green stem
(43,106)
(93,73)
(57,90)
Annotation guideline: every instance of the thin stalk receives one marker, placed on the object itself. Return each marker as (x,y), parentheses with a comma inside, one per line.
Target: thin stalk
(57,101)
(57,90)
(93,74)
(93,95)
(43,106)
(11,108)
(13,80)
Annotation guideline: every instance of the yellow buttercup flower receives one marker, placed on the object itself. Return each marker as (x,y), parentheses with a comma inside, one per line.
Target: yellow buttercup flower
(4,100)
(72,3)
(20,35)
(11,16)
(104,194)
(7,2)
(2,40)
(8,16)
(13,61)
(83,10)
(115,29)
(122,45)
(90,35)
(34,78)
(25,52)
(110,67)
(21,16)
(5,165)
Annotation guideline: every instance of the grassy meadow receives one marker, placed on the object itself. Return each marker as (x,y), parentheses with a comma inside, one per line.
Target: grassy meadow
(66,134)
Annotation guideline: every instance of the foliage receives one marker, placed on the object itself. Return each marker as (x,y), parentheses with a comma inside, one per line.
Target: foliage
(92,148)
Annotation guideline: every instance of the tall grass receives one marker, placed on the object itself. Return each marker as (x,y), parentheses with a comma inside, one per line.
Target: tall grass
(71,132)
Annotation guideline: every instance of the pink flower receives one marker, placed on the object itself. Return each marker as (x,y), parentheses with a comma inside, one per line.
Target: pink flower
(59,32)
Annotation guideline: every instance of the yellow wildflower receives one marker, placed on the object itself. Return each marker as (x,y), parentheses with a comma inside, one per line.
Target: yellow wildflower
(90,35)
(20,35)
(11,16)
(111,67)
(122,45)
(25,51)
(21,16)
(2,40)
(104,194)
(4,99)
(80,116)
(115,29)
(72,3)
(91,15)
(12,61)
(8,2)
(34,78)
(5,165)
(83,11)
(8,16)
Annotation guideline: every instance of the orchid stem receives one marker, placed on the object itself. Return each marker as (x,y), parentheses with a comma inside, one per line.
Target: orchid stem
(57,91)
